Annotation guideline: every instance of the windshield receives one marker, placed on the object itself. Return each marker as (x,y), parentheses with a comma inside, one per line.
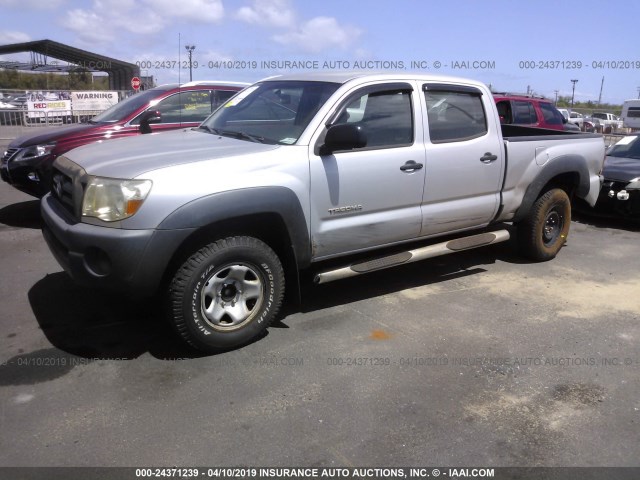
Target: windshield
(628,147)
(270,112)
(125,108)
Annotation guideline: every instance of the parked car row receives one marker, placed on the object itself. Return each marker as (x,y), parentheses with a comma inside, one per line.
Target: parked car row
(584,122)
(27,162)
(597,122)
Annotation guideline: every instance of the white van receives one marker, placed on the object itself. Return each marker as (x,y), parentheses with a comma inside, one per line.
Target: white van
(631,113)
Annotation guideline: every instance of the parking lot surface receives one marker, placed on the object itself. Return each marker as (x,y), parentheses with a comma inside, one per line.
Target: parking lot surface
(478,358)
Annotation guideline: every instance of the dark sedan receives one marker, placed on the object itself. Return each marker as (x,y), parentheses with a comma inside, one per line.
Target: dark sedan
(621,188)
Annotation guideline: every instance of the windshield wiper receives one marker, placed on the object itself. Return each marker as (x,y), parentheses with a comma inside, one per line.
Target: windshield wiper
(215,131)
(235,134)
(241,135)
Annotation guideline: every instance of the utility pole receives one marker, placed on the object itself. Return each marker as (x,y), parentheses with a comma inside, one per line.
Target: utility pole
(190,49)
(556,101)
(573,92)
(638,93)
(600,96)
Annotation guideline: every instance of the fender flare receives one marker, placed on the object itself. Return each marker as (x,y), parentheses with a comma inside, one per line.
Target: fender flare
(247,201)
(563,164)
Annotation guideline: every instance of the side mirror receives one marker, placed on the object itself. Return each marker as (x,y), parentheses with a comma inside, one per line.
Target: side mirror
(564,120)
(345,136)
(147,118)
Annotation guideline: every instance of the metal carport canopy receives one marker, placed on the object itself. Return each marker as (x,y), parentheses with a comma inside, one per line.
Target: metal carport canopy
(120,73)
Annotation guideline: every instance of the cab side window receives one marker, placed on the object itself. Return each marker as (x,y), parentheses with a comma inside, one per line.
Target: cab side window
(550,114)
(185,107)
(524,113)
(455,115)
(386,117)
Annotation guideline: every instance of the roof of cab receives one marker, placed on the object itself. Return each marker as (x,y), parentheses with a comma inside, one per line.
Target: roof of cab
(345,76)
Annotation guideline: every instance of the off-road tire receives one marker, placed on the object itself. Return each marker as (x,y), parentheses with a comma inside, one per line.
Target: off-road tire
(226,294)
(544,231)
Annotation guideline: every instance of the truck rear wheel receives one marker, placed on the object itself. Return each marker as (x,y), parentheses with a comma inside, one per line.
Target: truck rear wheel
(226,293)
(544,231)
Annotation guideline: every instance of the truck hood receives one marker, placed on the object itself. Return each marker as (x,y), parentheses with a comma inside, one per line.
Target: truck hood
(622,169)
(133,156)
(48,135)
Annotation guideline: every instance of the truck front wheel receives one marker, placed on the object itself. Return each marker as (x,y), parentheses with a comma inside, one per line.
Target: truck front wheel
(226,293)
(544,231)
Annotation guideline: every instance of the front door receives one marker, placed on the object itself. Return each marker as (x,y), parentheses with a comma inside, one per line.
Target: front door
(370,196)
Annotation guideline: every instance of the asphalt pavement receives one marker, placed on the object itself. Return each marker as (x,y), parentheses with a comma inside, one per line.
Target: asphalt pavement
(478,358)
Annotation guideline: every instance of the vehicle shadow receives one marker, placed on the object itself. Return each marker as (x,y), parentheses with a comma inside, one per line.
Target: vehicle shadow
(97,324)
(22,215)
(101,325)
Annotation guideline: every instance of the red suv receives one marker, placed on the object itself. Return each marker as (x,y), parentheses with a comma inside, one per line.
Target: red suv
(529,110)
(27,162)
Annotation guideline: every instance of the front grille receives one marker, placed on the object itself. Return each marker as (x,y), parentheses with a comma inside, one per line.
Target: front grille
(9,154)
(62,189)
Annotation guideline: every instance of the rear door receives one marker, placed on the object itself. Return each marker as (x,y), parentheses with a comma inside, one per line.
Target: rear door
(370,196)
(464,159)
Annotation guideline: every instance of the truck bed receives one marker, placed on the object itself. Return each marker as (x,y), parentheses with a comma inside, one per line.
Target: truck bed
(515,133)
(531,150)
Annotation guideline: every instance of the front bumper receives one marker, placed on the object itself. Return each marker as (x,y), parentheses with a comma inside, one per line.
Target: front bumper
(615,199)
(32,176)
(113,258)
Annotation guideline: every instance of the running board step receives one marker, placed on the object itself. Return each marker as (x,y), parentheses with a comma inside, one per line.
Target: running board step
(410,256)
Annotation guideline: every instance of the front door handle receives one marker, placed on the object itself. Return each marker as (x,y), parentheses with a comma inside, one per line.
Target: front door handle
(411,166)
(488,157)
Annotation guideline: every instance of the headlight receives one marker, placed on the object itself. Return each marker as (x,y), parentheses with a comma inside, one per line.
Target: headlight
(634,184)
(34,151)
(112,199)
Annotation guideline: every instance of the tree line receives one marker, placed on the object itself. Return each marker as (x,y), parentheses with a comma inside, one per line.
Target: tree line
(13,79)
(565,102)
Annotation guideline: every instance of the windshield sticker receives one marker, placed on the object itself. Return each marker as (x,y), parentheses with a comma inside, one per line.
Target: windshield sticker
(627,140)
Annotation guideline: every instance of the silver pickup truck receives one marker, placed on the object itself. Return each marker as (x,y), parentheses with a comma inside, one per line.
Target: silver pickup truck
(298,170)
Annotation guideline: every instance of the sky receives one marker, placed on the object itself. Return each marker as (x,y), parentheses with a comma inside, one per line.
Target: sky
(515,46)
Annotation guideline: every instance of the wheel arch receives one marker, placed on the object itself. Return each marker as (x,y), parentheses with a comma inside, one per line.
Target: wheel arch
(271,214)
(568,172)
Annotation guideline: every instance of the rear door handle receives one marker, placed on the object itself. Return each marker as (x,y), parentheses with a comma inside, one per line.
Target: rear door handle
(488,158)
(411,166)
